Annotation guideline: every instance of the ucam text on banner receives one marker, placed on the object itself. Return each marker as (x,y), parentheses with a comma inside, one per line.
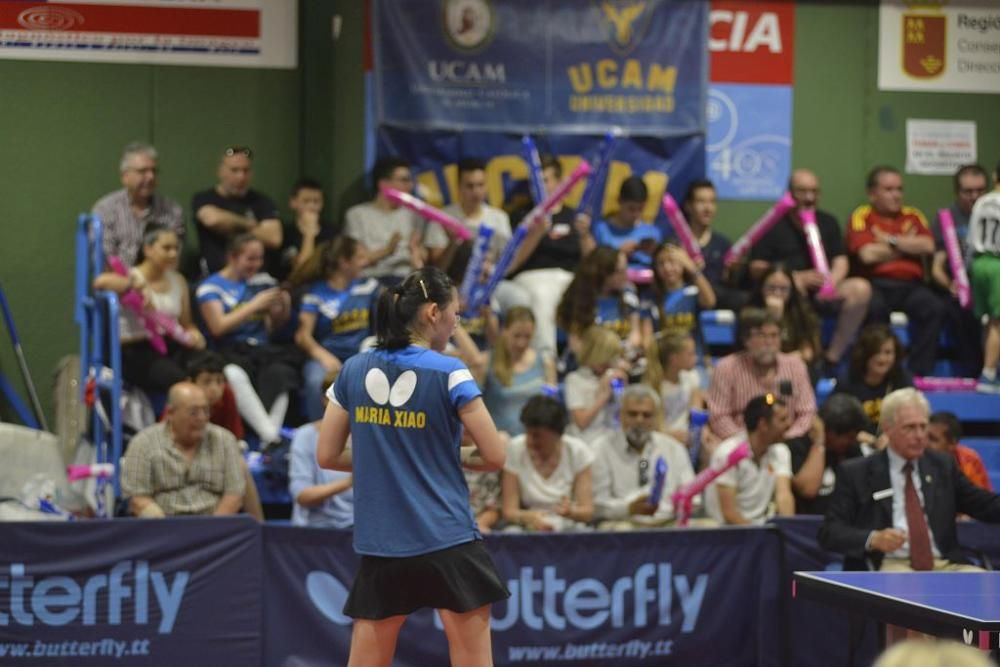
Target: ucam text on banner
(222,33)
(559,66)
(940,46)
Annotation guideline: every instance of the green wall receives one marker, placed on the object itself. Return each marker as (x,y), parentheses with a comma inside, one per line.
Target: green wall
(63,126)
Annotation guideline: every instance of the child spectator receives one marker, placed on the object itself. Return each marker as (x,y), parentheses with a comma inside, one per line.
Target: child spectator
(943,434)
(679,291)
(322,498)
(625,230)
(984,243)
(671,371)
(589,392)
(335,313)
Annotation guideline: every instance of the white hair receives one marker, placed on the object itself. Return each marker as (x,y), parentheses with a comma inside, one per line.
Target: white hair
(136,148)
(899,399)
(641,392)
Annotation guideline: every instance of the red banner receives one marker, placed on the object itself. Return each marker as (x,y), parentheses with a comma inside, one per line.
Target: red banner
(752,42)
(129,19)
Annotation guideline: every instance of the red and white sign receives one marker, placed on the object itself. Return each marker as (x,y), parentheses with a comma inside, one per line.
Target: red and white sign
(752,42)
(237,33)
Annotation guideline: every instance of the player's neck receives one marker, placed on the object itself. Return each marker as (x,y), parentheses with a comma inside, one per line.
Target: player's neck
(338,281)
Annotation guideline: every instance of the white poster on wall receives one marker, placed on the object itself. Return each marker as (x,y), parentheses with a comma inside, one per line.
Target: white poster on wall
(219,33)
(948,45)
(939,146)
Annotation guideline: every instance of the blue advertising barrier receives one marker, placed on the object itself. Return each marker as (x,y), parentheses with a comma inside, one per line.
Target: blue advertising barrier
(681,597)
(130,592)
(213,591)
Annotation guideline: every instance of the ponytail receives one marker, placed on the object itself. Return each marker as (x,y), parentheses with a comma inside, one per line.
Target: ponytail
(658,354)
(397,307)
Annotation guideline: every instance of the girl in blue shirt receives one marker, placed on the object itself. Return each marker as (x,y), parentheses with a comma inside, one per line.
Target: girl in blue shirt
(335,313)
(680,290)
(601,294)
(241,306)
(405,405)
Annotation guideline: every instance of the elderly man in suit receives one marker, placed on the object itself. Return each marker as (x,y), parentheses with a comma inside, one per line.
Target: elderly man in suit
(895,510)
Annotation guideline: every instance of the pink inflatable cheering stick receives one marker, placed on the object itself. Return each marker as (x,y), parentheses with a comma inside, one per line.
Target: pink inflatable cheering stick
(684,496)
(77,471)
(817,252)
(640,276)
(425,210)
(682,229)
(928,383)
(759,228)
(157,324)
(955,262)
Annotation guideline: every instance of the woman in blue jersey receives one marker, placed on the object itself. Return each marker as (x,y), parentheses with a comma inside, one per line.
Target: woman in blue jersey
(240,307)
(600,294)
(335,313)
(405,404)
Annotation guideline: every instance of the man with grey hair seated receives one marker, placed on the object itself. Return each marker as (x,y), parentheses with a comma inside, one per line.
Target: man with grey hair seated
(626,460)
(184,465)
(895,510)
(126,213)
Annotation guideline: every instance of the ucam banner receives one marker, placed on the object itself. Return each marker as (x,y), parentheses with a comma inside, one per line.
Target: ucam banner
(749,112)
(946,46)
(560,66)
(668,163)
(130,592)
(686,597)
(222,33)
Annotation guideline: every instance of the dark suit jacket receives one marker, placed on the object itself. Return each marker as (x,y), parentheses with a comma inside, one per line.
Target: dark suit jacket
(852,513)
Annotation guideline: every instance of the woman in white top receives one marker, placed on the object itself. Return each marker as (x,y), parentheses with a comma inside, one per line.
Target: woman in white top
(547,478)
(164,290)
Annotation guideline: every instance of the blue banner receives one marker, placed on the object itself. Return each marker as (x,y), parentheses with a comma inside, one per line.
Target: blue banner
(529,65)
(749,140)
(663,163)
(644,598)
(171,592)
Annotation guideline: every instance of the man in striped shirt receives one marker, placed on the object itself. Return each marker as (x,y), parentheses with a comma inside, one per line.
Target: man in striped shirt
(759,369)
(184,465)
(125,213)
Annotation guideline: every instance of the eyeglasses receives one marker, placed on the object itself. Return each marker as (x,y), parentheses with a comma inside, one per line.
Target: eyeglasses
(238,150)
(777,289)
(643,472)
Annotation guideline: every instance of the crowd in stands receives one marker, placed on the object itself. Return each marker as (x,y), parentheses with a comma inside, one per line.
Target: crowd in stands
(592,376)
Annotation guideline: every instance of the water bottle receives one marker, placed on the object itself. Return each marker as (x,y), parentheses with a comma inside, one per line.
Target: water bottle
(696,421)
(617,389)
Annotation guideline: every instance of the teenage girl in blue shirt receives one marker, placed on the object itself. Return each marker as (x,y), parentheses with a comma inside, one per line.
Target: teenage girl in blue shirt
(405,405)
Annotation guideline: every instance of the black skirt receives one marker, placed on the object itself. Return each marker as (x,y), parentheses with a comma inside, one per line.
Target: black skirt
(459,578)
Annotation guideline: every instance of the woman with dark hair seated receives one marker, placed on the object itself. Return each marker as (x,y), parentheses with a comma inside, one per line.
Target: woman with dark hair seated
(547,477)
(164,290)
(800,333)
(240,307)
(876,370)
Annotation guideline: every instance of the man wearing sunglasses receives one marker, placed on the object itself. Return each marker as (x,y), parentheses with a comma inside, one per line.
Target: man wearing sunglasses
(626,460)
(232,207)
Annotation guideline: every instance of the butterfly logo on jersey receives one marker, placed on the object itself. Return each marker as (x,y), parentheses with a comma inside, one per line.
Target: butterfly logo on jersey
(395,395)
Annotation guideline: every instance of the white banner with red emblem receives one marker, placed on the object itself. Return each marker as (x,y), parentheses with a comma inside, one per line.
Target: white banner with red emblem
(226,33)
(942,45)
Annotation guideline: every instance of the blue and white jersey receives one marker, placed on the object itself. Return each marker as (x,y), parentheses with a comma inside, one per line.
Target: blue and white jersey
(233,294)
(676,313)
(410,496)
(646,236)
(615,313)
(342,316)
